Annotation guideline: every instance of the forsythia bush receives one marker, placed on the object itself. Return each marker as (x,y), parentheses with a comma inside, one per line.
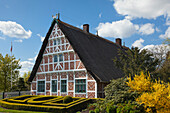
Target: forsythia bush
(140,83)
(153,94)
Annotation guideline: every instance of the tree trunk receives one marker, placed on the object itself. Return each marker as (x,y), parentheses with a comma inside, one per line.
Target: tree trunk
(5,82)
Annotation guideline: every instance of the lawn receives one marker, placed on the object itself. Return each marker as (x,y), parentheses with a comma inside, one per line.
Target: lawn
(17,111)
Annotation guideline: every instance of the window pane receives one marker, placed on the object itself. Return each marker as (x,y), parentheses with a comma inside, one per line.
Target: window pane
(58,41)
(80,86)
(60,57)
(41,86)
(55,58)
(54,42)
(63,85)
(54,85)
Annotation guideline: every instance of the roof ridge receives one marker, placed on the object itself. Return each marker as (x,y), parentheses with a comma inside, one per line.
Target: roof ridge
(99,37)
(95,52)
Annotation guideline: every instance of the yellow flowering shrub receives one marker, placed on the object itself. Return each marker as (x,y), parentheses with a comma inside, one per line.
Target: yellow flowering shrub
(141,83)
(153,94)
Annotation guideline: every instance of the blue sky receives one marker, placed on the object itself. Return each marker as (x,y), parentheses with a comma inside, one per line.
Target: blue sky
(141,23)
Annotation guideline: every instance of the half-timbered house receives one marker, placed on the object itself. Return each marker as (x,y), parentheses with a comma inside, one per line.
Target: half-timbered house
(74,62)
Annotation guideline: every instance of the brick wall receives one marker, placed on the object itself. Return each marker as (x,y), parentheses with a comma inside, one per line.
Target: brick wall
(69,76)
(50,70)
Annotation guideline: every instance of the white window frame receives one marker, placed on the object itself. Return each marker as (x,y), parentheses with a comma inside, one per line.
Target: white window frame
(54,58)
(66,85)
(54,42)
(58,41)
(44,86)
(85,85)
(61,57)
(52,86)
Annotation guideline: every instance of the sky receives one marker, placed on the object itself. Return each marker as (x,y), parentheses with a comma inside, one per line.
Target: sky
(139,23)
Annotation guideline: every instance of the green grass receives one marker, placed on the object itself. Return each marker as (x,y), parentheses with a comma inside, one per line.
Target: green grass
(16,111)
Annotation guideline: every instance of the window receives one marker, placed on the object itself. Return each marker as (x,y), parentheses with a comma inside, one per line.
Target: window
(60,57)
(54,85)
(63,85)
(80,86)
(41,86)
(55,42)
(55,58)
(58,41)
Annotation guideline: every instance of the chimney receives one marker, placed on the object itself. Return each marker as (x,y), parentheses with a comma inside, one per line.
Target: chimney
(86,28)
(119,41)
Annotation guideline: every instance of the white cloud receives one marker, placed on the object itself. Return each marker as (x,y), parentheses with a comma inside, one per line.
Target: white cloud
(157,29)
(138,43)
(33,59)
(147,29)
(149,9)
(2,38)
(158,50)
(13,29)
(41,37)
(26,66)
(151,47)
(122,29)
(30,59)
(129,17)
(18,41)
(81,26)
(167,21)
(100,15)
(166,35)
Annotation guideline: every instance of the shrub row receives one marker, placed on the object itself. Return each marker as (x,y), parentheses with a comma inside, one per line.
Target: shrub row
(119,108)
(18,106)
(39,99)
(47,105)
(20,99)
(63,105)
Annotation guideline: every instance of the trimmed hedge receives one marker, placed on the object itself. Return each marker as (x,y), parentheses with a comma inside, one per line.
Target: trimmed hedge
(67,99)
(39,99)
(46,105)
(18,106)
(20,99)
(62,104)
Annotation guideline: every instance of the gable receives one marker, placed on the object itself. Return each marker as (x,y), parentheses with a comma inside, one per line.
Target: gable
(71,61)
(58,45)
(96,53)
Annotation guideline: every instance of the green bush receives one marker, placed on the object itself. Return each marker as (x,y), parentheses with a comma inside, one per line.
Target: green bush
(97,110)
(92,106)
(130,108)
(111,108)
(91,111)
(67,99)
(118,91)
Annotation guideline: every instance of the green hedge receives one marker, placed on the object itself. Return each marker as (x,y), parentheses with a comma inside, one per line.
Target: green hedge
(47,105)
(78,106)
(40,101)
(20,99)
(18,106)
(62,104)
